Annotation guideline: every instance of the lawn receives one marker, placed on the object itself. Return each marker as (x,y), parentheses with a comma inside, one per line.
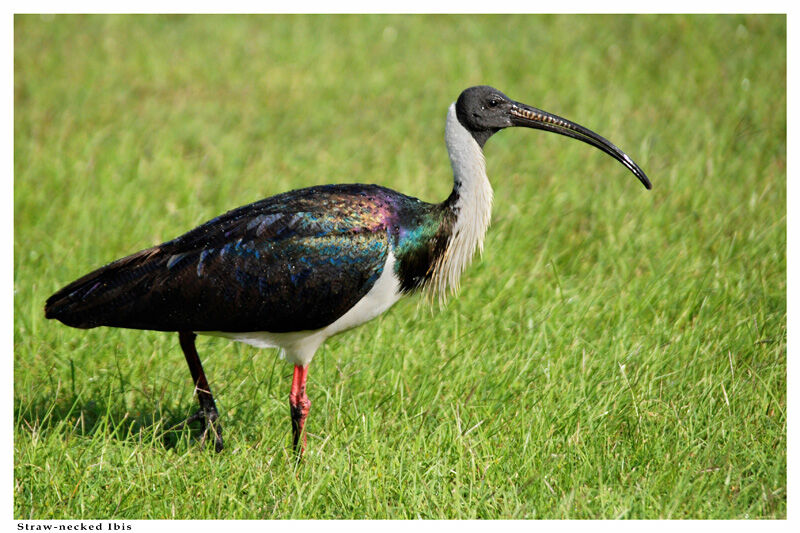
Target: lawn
(615,353)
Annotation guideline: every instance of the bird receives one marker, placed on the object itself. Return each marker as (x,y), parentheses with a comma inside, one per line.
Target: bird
(294,269)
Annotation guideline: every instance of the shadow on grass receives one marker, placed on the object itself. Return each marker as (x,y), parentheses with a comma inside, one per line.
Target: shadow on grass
(73,417)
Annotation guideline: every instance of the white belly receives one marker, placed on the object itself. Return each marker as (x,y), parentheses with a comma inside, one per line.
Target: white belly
(299,346)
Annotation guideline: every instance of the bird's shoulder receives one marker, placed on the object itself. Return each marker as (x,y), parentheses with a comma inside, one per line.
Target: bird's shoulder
(321,211)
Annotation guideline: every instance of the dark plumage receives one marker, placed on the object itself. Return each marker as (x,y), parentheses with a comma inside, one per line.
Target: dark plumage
(295,261)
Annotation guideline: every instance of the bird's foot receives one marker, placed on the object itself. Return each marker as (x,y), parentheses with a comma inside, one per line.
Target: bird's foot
(211,425)
(209,418)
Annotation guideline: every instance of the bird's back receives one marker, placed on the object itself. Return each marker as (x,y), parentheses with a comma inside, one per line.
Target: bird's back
(295,261)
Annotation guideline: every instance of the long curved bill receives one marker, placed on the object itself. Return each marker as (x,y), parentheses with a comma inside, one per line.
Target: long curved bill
(530,117)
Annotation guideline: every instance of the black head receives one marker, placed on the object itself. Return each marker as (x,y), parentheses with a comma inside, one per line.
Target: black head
(484,111)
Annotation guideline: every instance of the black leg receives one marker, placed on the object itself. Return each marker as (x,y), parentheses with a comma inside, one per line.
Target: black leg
(208,409)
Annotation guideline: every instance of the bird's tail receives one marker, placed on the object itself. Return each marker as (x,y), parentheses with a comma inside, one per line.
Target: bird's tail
(100,297)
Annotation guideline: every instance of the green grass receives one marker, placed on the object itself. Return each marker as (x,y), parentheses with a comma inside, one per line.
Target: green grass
(614,353)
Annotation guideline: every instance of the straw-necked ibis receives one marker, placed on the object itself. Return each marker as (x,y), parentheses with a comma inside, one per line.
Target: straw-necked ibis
(292,270)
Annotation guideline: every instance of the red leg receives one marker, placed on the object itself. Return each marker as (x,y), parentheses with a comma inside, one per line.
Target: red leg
(300,405)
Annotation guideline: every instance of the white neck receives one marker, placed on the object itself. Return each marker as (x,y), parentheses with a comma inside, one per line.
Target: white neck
(473,207)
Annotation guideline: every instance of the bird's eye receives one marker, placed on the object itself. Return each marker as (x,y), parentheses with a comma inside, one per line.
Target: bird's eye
(494,102)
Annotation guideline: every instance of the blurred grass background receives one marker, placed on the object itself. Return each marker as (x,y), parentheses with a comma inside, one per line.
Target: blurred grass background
(615,353)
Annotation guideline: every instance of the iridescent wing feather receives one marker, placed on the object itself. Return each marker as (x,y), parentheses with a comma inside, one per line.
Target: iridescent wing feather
(296,261)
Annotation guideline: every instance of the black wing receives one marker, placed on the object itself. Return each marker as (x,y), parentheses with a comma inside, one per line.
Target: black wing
(296,261)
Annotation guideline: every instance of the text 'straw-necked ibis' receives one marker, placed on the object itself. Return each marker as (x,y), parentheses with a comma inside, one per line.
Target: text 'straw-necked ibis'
(294,269)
